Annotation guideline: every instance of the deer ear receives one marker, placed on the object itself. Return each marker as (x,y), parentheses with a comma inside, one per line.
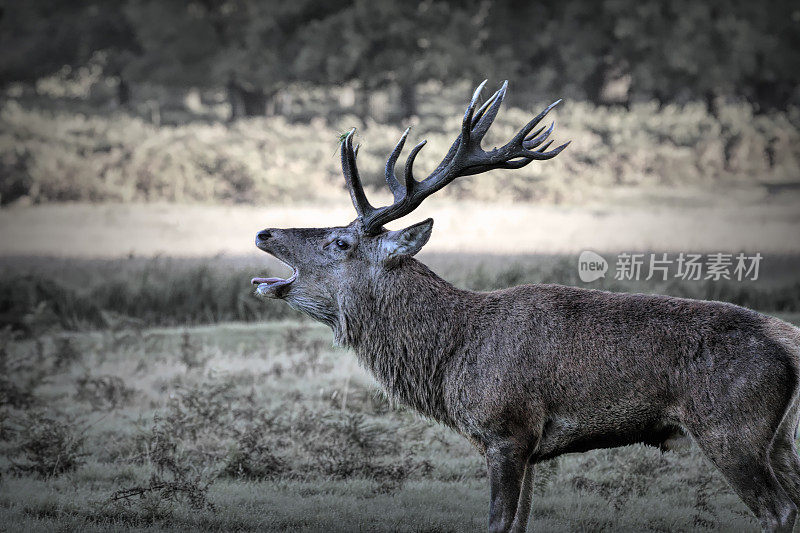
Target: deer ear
(407,241)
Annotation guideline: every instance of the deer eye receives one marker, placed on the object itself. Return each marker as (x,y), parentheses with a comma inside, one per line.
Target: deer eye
(342,245)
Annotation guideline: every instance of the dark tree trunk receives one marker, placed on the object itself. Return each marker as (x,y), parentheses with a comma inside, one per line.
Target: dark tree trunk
(255,102)
(711,103)
(246,101)
(363,106)
(123,92)
(593,83)
(408,100)
(770,96)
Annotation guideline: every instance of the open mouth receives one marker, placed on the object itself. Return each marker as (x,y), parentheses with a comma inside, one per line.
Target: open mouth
(273,287)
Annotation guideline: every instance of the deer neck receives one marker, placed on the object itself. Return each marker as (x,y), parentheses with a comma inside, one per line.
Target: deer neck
(405,327)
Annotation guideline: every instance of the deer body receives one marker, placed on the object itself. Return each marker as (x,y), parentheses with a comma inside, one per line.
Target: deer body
(562,369)
(535,371)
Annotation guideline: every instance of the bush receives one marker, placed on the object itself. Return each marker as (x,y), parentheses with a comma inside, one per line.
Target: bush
(65,156)
(19,377)
(103,392)
(48,446)
(251,458)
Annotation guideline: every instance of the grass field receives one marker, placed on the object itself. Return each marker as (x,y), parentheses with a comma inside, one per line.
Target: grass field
(266,427)
(107,422)
(143,387)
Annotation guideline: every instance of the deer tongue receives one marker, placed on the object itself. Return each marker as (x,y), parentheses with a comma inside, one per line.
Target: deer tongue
(268,281)
(273,287)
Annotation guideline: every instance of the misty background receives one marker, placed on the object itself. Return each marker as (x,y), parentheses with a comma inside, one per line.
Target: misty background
(143,144)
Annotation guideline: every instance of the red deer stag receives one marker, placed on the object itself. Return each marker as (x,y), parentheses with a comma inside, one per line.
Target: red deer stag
(535,371)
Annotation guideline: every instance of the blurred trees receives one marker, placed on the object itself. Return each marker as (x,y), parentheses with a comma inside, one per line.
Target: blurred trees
(615,51)
(610,51)
(379,44)
(248,47)
(41,37)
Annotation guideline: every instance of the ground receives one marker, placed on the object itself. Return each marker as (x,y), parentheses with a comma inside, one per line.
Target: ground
(330,454)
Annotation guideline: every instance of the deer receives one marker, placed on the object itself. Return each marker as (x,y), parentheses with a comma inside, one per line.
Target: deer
(535,371)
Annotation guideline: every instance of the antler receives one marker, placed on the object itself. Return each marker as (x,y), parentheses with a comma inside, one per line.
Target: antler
(465,158)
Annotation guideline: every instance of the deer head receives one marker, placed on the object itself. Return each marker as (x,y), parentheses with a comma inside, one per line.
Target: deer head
(329,262)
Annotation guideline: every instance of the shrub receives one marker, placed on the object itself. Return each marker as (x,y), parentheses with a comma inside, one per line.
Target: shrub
(47,446)
(251,458)
(20,377)
(103,392)
(66,156)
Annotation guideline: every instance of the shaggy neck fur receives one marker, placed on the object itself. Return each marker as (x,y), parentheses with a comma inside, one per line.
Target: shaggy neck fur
(390,325)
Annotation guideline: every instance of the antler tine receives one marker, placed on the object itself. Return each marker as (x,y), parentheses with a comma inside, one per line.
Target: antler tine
(467,122)
(464,158)
(520,136)
(554,152)
(481,110)
(391,179)
(411,183)
(534,134)
(534,139)
(470,119)
(476,116)
(350,171)
(487,118)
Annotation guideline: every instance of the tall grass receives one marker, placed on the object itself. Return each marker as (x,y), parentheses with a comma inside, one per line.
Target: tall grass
(76,295)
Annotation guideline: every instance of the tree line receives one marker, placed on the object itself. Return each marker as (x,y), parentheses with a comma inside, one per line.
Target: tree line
(607,52)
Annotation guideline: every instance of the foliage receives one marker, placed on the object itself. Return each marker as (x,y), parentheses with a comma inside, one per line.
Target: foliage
(67,156)
(250,458)
(379,44)
(103,392)
(609,51)
(19,376)
(47,446)
(208,43)
(44,37)
(192,491)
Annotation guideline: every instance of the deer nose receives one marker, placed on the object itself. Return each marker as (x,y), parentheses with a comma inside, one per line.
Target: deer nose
(263,235)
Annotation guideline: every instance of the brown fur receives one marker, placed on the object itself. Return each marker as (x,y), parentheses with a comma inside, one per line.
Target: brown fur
(535,371)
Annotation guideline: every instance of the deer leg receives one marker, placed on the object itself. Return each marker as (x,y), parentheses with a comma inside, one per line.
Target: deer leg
(506,469)
(745,464)
(520,523)
(783,457)
(786,465)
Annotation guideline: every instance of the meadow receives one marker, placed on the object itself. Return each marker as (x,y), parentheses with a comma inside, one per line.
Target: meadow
(156,394)
(236,427)
(144,388)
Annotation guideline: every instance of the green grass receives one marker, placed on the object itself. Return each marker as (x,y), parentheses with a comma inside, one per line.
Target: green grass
(324,450)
